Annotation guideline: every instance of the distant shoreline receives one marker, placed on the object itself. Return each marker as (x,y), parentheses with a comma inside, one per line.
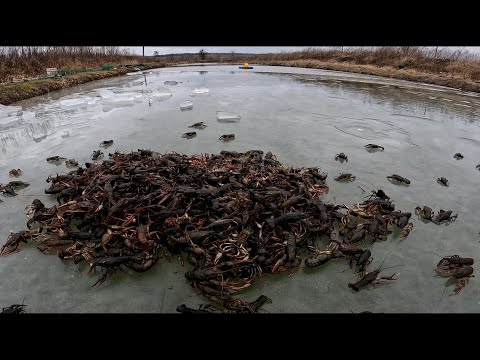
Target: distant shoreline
(446,80)
(420,68)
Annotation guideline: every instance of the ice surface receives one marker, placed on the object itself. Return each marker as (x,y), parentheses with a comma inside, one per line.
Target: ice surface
(186,105)
(10,116)
(10,110)
(224,116)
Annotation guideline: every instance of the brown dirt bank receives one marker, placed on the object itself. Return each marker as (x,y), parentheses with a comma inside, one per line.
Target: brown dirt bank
(448,80)
(11,93)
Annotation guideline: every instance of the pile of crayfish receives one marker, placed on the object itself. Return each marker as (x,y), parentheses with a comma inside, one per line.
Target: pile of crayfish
(233,216)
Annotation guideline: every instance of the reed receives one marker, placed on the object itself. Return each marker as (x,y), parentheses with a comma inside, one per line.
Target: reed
(21,62)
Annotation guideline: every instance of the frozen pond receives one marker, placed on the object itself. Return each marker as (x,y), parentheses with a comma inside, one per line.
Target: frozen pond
(305,117)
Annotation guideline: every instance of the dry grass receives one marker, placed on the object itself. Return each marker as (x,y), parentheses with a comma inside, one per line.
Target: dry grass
(30,61)
(459,63)
(11,93)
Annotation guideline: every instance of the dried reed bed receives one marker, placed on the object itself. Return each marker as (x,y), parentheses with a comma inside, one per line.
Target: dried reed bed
(458,69)
(30,61)
(460,63)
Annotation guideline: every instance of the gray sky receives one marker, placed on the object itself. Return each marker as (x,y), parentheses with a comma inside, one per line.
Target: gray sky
(212,49)
(162,50)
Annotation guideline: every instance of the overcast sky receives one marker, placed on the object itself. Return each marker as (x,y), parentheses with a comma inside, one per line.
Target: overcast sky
(213,49)
(149,50)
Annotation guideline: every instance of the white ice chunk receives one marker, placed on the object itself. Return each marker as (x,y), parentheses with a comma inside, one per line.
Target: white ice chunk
(158,96)
(186,105)
(28,115)
(40,137)
(65,133)
(106,94)
(92,101)
(121,100)
(224,116)
(199,91)
(111,100)
(107,108)
(135,95)
(8,121)
(110,105)
(72,102)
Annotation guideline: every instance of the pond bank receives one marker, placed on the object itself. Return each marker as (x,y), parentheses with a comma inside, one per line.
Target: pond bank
(447,80)
(11,93)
